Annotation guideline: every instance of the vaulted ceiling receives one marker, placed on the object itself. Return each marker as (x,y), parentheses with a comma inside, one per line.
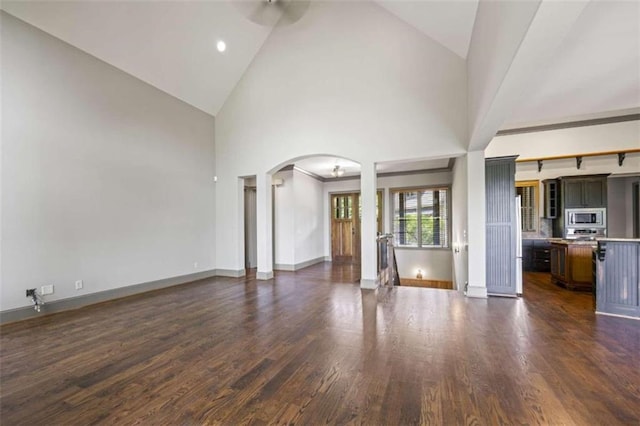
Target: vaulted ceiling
(172,46)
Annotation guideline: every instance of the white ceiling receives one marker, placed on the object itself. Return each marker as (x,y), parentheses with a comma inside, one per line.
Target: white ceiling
(168,44)
(448,22)
(171,45)
(595,71)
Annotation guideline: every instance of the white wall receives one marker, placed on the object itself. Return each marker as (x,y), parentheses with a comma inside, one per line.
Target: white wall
(104,178)
(435,263)
(459,223)
(284,220)
(348,79)
(616,213)
(309,215)
(620,211)
(298,221)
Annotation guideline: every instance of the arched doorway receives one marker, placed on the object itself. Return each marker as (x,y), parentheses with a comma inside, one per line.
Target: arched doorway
(304,226)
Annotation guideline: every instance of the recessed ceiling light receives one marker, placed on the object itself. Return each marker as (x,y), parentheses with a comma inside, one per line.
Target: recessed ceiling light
(221,46)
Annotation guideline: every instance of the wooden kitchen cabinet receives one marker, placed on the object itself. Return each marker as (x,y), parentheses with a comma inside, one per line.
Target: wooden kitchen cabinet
(558,257)
(571,264)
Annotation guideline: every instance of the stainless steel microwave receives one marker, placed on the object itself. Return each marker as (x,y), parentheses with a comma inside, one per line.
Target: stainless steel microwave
(586,218)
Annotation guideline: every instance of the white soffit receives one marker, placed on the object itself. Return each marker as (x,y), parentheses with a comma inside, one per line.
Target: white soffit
(596,69)
(406,166)
(323,165)
(168,44)
(448,22)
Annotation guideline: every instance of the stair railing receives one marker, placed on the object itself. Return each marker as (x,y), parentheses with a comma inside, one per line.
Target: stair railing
(387,264)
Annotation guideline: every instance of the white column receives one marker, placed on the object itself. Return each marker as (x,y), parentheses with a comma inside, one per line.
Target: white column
(476,225)
(387,223)
(264,226)
(368,265)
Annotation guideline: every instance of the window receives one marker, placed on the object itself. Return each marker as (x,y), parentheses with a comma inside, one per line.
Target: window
(528,192)
(421,217)
(342,206)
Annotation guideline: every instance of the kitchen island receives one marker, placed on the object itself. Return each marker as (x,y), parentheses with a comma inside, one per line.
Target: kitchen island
(616,270)
(571,263)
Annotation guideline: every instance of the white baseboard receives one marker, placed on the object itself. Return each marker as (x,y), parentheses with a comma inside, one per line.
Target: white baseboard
(264,275)
(618,315)
(369,284)
(233,273)
(297,266)
(478,292)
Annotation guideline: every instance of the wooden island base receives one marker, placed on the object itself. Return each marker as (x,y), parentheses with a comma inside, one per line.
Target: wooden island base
(571,264)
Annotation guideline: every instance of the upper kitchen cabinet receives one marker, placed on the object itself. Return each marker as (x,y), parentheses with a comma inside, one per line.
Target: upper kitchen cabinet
(551,198)
(584,191)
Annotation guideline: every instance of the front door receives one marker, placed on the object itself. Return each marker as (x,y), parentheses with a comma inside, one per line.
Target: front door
(345,228)
(345,225)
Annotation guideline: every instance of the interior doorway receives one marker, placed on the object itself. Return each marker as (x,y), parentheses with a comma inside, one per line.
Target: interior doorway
(346,213)
(250,228)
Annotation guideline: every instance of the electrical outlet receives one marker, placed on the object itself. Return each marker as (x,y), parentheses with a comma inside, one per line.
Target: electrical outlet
(79,285)
(195,265)
(31,292)
(46,289)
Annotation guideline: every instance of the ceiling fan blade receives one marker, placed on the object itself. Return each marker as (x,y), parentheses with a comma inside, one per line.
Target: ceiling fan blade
(261,12)
(269,13)
(293,11)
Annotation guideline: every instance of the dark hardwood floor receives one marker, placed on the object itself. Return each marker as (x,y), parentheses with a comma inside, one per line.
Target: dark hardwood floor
(310,347)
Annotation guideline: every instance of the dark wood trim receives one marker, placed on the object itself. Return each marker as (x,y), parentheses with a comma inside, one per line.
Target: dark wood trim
(569,124)
(61,305)
(414,282)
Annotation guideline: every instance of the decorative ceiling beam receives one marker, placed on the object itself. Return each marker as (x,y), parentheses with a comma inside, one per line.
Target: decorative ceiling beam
(569,124)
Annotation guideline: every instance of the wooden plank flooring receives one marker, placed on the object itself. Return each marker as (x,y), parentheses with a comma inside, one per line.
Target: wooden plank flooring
(310,347)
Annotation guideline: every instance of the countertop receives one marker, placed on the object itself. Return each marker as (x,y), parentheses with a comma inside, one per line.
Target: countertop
(573,242)
(583,242)
(620,240)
